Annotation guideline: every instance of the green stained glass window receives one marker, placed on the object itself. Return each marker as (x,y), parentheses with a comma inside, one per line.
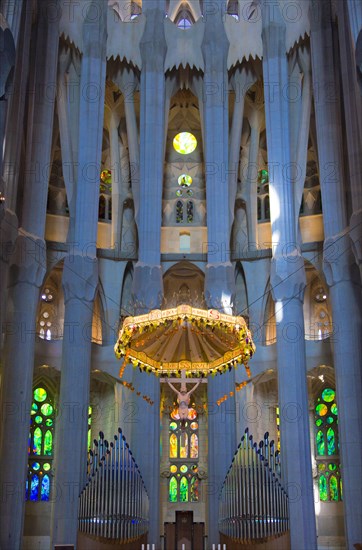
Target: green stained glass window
(34,408)
(330,419)
(184,143)
(340,488)
(328,395)
(173,426)
(323,495)
(46,466)
(332,467)
(48,443)
(46,409)
(331,442)
(319,422)
(194,490)
(320,443)
(173,489)
(49,422)
(334,409)
(38,419)
(333,488)
(183,469)
(184,180)
(40,395)
(321,409)
(184,490)
(37,439)
(263,177)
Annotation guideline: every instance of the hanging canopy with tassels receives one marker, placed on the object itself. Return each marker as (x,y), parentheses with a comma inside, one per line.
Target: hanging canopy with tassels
(200,342)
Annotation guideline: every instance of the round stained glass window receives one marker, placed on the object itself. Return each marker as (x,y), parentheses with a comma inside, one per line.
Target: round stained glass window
(38,419)
(46,466)
(173,469)
(173,425)
(192,414)
(319,422)
(34,408)
(263,177)
(328,395)
(179,193)
(184,180)
(183,469)
(40,394)
(330,420)
(321,409)
(35,466)
(321,467)
(194,425)
(184,143)
(46,409)
(190,192)
(332,467)
(49,422)
(334,409)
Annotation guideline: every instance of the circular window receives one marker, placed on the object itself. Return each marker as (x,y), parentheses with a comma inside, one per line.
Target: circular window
(194,425)
(190,192)
(173,425)
(46,409)
(192,414)
(328,395)
(334,409)
(184,143)
(35,466)
(321,409)
(173,469)
(46,466)
(183,469)
(38,419)
(40,394)
(184,180)
(179,193)
(332,467)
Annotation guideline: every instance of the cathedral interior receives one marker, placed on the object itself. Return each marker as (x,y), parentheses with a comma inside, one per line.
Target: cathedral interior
(181,250)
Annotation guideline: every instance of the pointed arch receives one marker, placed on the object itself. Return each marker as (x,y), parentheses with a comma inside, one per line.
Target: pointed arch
(269,332)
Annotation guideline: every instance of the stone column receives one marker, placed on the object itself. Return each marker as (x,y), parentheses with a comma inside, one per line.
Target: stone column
(220,277)
(255,120)
(288,283)
(148,274)
(340,272)
(80,279)
(27,269)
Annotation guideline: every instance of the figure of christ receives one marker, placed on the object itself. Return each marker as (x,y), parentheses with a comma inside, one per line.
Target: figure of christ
(183,397)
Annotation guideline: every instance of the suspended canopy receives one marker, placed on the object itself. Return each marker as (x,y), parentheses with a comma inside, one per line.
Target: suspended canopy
(198,341)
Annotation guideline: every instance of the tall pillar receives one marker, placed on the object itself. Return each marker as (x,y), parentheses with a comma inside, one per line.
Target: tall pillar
(147,280)
(339,271)
(288,283)
(27,269)
(219,278)
(80,279)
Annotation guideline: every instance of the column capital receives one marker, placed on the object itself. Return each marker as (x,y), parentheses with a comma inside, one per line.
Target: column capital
(220,286)
(80,278)
(28,260)
(337,257)
(287,276)
(147,289)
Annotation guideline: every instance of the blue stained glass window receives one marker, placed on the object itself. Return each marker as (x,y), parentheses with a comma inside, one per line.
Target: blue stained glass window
(45,488)
(34,487)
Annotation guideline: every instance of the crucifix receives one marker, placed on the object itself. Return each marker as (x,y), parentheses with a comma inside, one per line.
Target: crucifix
(183,396)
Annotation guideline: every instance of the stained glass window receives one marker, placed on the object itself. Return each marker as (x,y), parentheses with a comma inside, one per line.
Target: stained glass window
(184,143)
(179,212)
(40,449)
(327,448)
(190,211)
(184,180)
(184,453)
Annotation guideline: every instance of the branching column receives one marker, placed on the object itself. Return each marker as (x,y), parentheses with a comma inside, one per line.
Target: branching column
(339,271)
(80,279)
(219,280)
(288,283)
(27,269)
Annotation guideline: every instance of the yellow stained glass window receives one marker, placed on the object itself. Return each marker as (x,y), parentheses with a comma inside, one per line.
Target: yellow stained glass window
(184,143)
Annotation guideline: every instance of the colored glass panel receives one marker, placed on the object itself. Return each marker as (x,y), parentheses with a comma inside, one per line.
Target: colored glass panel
(184,490)
(330,420)
(263,177)
(173,490)
(321,467)
(179,212)
(194,446)
(331,441)
(184,180)
(34,487)
(190,212)
(319,422)
(173,446)
(35,466)
(334,409)
(38,419)
(173,425)
(179,193)
(340,488)
(323,495)
(49,422)
(37,441)
(34,408)
(46,466)
(328,395)
(173,469)
(321,409)
(46,409)
(45,488)
(194,490)
(184,143)
(321,448)
(189,192)
(183,469)
(332,467)
(40,395)
(194,425)
(184,445)
(48,443)
(333,488)
(192,414)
